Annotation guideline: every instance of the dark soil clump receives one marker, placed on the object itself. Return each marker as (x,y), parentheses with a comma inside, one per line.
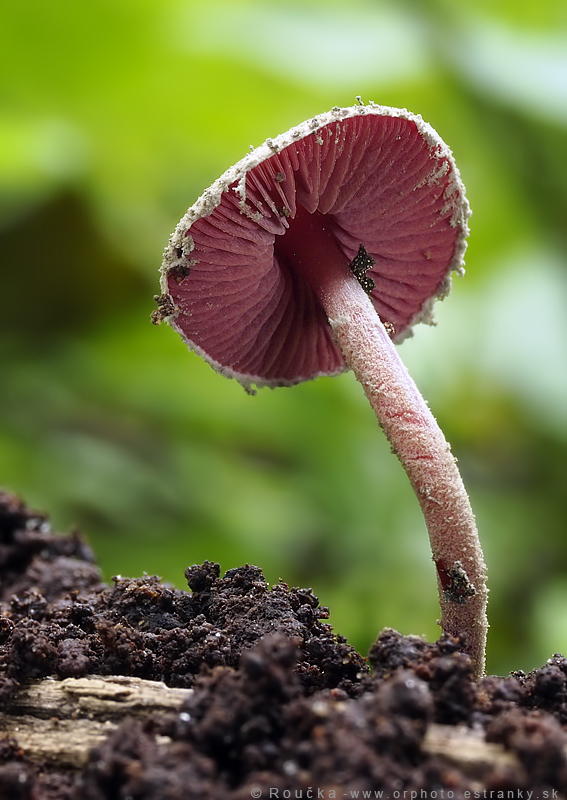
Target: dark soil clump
(280,704)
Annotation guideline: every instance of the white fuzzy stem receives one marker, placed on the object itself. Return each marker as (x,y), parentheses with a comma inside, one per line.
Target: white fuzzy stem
(420,445)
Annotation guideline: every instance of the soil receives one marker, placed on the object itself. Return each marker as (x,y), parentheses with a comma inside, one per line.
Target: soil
(281,706)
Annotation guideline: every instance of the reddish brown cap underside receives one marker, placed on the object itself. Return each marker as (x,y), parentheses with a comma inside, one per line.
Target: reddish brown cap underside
(367,179)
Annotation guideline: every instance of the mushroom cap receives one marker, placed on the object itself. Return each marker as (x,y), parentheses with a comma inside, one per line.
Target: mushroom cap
(373,175)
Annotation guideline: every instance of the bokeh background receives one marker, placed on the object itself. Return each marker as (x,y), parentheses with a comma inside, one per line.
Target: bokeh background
(114,116)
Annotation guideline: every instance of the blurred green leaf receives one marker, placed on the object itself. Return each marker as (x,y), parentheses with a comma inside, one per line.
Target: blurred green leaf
(114,116)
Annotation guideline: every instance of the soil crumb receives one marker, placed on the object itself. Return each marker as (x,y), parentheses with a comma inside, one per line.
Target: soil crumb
(281,705)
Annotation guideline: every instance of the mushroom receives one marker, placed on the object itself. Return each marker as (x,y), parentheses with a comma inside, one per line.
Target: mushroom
(314,254)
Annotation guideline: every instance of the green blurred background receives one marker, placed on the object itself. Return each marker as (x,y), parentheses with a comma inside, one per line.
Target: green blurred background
(114,116)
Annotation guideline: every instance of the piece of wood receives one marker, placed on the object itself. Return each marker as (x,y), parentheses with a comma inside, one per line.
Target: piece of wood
(96,696)
(60,721)
(468,750)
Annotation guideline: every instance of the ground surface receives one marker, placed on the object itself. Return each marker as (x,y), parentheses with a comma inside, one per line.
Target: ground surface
(281,705)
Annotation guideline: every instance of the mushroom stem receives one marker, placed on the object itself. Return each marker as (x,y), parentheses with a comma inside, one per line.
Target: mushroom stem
(426,456)
(411,428)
